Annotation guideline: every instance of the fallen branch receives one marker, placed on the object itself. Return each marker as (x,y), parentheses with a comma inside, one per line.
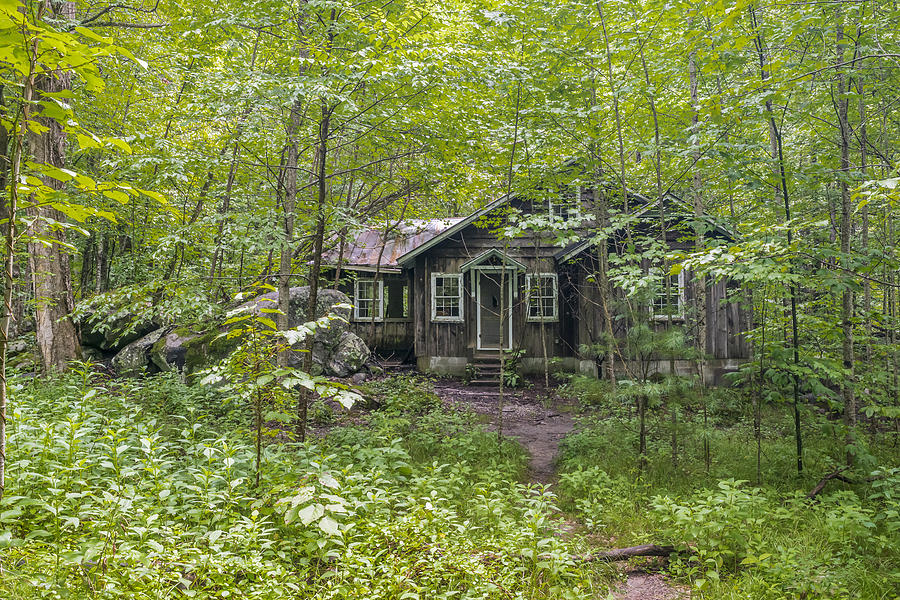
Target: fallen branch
(631,552)
(824,481)
(613,555)
(839,477)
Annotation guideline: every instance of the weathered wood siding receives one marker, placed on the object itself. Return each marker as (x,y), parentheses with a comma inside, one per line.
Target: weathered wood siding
(579,320)
(460,339)
(388,337)
(727,318)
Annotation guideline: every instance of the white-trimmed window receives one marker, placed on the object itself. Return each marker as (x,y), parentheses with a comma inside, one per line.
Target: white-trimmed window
(447,297)
(669,298)
(368,300)
(542,291)
(565,205)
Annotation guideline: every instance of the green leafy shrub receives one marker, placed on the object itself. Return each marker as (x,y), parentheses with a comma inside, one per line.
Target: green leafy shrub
(597,498)
(121,489)
(718,525)
(511,368)
(591,392)
(404,395)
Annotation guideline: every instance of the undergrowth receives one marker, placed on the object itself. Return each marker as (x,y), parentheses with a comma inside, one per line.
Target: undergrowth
(143,489)
(742,538)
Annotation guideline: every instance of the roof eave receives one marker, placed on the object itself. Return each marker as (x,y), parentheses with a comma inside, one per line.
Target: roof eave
(405,259)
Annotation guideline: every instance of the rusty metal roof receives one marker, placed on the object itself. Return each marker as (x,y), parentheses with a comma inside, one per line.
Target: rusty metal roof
(363,252)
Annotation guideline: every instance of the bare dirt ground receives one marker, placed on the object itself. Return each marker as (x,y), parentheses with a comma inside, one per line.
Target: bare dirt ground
(534,417)
(641,585)
(539,419)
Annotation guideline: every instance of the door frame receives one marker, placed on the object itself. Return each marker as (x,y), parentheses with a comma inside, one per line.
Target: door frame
(512,275)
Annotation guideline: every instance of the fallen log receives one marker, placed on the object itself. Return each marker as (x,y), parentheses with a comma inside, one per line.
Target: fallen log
(613,555)
(630,552)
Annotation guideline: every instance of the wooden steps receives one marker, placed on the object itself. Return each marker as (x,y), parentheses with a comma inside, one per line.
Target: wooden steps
(487,368)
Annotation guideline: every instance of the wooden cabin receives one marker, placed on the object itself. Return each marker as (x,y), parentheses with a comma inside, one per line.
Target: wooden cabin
(520,274)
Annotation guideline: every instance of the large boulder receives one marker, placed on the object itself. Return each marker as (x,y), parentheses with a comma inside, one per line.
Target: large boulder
(336,351)
(113,333)
(170,351)
(349,355)
(134,359)
(326,303)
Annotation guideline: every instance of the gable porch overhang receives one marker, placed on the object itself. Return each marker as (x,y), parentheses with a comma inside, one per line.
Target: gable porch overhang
(493,259)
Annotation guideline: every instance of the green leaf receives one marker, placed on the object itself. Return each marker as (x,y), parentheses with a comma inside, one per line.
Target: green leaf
(329,526)
(329,481)
(117,195)
(119,143)
(267,322)
(86,142)
(310,513)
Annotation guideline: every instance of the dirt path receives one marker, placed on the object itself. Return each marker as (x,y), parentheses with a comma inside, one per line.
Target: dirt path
(536,419)
(539,420)
(640,585)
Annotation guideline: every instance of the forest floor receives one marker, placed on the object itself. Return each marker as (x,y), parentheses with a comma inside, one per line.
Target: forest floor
(539,419)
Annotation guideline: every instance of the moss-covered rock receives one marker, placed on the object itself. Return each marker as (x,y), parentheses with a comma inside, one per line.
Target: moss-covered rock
(336,351)
(349,356)
(134,359)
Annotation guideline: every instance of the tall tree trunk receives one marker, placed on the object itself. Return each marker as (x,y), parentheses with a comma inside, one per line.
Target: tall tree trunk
(699,279)
(601,207)
(618,116)
(289,175)
(846,224)
(603,285)
(862,132)
(317,243)
(503,287)
(699,210)
(623,188)
(663,240)
(51,277)
(781,189)
(19,140)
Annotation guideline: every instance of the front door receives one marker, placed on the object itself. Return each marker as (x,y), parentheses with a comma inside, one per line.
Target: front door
(490,324)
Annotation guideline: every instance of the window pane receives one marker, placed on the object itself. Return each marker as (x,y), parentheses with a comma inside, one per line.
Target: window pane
(548,306)
(542,297)
(367,305)
(446,296)
(447,286)
(668,298)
